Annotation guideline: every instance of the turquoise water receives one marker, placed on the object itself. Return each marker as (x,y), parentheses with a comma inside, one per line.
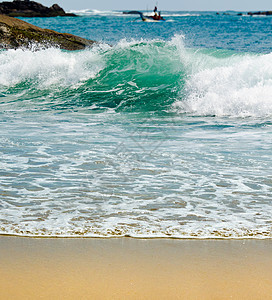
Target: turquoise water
(163,130)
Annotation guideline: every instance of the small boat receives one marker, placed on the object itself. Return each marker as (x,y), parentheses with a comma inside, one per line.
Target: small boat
(155,18)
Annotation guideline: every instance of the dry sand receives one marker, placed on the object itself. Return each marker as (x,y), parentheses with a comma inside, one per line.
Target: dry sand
(135,269)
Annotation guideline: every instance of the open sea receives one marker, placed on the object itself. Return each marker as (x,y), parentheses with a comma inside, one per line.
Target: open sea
(162,130)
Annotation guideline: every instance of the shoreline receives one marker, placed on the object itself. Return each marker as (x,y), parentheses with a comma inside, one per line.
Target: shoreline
(186,238)
(129,268)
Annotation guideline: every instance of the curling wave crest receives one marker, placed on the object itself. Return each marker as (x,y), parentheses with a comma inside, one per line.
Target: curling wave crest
(145,75)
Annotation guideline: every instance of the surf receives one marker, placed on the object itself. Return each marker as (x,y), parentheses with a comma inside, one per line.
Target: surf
(142,75)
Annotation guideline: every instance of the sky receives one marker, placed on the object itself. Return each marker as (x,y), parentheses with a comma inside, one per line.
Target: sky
(215,5)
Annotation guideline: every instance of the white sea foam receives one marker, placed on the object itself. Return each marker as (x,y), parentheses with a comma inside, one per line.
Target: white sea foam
(82,175)
(229,85)
(48,67)
(169,14)
(96,12)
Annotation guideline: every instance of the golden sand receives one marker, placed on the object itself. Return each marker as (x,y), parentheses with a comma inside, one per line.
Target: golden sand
(135,269)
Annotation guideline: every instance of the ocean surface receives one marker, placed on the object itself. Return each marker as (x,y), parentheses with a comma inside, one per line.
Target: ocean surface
(162,130)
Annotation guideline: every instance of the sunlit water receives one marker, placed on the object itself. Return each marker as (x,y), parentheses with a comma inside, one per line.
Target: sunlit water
(163,130)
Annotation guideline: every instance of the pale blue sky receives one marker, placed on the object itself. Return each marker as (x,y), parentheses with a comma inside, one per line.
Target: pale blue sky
(242,5)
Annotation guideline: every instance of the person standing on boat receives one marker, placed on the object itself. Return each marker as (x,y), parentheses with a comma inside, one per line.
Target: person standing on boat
(155,17)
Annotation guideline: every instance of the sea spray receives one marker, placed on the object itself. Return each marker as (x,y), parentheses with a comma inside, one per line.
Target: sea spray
(48,67)
(237,86)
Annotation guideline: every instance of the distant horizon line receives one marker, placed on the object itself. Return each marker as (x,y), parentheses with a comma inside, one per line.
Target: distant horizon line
(151,10)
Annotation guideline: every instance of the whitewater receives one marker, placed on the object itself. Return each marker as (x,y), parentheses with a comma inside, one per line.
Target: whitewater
(161,130)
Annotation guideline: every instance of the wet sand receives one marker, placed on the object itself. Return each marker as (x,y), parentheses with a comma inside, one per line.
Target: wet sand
(135,269)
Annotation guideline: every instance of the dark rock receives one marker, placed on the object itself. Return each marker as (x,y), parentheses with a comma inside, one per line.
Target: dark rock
(260,13)
(15,34)
(26,8)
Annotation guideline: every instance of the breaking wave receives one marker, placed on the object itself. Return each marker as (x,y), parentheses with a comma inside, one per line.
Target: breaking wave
(143,76)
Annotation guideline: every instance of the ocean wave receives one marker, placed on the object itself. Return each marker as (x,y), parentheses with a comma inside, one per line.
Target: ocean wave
(238,85)
(95,12)
(170,14)
(145,75)
(47,68)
